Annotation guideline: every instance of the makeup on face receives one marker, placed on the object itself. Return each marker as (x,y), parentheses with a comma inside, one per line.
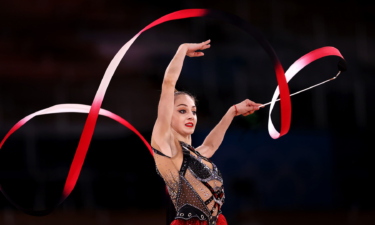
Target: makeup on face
(189,124)
(185,118)
(184,110)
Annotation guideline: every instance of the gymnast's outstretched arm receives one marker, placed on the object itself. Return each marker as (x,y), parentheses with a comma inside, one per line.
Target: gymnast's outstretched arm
(216,136)
(161,133)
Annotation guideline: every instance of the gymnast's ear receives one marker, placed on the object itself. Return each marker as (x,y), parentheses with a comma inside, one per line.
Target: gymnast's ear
(175,90)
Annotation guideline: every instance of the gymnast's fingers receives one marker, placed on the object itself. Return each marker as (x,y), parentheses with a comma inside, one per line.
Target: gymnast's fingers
(205,46)
(258,106)
(247,113)
(206,42)
(195,54)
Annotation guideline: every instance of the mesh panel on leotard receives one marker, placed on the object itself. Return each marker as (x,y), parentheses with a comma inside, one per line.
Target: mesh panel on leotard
(187,195)
(201,190)
(166,169)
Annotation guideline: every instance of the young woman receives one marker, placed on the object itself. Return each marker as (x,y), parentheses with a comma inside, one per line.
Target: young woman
(194,183)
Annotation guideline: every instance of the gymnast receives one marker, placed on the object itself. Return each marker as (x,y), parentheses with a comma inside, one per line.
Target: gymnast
(194,183)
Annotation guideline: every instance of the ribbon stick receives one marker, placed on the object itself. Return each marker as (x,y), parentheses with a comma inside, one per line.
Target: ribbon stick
(296,93)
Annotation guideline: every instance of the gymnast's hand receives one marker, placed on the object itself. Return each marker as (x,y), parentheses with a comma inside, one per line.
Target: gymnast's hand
(247,107)
(193,47)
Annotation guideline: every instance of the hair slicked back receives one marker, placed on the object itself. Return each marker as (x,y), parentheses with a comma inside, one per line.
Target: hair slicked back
(177,93)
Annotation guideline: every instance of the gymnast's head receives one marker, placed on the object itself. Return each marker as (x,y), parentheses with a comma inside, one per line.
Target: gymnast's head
(184,117)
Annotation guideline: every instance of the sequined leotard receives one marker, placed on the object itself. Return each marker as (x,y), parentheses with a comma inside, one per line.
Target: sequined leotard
(196,190)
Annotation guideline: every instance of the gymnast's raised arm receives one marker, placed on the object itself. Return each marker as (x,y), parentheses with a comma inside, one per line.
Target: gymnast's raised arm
(216,136)
(161,134)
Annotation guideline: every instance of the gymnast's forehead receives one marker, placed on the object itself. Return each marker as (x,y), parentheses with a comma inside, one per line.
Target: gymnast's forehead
(184,100)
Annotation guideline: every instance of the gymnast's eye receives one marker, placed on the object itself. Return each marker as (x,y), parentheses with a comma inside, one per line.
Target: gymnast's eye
(194,112)
(182,111)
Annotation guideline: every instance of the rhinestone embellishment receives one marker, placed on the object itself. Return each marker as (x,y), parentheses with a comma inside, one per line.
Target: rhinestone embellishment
(195,188)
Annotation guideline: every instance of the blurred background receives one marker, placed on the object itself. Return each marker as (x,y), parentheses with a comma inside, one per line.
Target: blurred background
(54,52)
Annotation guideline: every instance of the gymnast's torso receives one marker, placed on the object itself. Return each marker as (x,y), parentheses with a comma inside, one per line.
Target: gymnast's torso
(196,188)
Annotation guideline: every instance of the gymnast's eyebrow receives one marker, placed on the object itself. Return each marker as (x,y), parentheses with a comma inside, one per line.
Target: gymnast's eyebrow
(186,105)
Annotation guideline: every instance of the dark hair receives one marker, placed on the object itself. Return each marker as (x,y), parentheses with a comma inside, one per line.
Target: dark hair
(177,93)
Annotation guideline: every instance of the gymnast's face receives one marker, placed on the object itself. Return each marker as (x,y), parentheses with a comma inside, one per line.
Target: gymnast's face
(184,116)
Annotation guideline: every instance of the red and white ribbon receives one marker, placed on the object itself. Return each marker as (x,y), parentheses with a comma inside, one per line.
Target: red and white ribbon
(292,71)
(95,109)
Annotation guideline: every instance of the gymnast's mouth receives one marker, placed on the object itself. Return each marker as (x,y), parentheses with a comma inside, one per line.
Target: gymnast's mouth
(190,124)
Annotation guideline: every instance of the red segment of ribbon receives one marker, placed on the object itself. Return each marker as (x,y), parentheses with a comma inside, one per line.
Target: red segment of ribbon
(182,14)
(315,55)
(285,102)
(77,109)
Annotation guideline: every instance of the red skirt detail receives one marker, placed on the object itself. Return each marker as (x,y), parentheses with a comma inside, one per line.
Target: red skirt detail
(195,221)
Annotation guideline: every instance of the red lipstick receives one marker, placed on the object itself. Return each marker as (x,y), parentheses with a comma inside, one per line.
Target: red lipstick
(190,124)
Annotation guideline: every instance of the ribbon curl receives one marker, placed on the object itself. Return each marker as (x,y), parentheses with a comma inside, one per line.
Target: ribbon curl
(294,69)
(95,109)
(65,108)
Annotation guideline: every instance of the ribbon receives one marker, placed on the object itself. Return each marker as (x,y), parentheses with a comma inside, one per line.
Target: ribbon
(295,68)
(95,109)
(64,108)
